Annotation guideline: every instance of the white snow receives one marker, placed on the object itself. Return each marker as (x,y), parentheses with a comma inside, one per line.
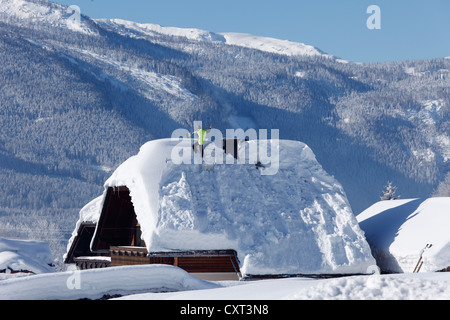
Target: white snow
(375,287)
(443,140)
(428,114)
(398,230)
(29,10)
(241,122)
(426,155)
(267,44)
(163,282)
(89,213)
(409,70)
(71,18)
(25,256)
(54,14)
(95,283)
(295,221)
(301,74)
(151,81)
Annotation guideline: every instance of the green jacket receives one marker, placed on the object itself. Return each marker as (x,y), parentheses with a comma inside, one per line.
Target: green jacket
(201,136)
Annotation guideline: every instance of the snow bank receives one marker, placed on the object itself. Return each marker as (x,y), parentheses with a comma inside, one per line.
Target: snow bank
(95,283)
(424,286)
(295,221)
(398,231)
(25,256)
(377,287)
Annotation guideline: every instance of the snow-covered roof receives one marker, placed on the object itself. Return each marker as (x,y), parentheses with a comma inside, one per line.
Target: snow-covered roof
(399,230)
(295,221)
(25,255)
(89,213)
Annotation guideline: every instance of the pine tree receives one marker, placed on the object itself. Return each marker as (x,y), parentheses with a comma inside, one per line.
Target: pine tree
(389,193)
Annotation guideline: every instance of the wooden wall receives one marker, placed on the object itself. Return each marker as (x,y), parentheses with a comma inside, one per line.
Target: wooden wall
(199,261)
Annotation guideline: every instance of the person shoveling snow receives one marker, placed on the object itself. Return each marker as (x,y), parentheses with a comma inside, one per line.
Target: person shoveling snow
(201,134)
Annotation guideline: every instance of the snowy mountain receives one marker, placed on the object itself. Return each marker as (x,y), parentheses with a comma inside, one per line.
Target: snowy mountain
(271,45)
(79,96)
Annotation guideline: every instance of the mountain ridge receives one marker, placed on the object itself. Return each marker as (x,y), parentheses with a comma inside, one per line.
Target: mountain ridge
(266,44)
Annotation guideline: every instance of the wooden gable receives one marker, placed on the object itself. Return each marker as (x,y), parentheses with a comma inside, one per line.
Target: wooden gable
(117,235)
(117,225)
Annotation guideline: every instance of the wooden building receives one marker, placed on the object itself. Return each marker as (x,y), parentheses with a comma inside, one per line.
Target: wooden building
(161,206)
(115,240)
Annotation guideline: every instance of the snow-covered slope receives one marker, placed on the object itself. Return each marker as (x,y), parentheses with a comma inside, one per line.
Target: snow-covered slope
(424,286)
(398,231)
(295,221)
(25,256)
(41,11)
(30,10)
(267,44)
(278,46)
(154,30)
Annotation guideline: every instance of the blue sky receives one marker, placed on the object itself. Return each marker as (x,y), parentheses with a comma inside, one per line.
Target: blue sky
(414,29)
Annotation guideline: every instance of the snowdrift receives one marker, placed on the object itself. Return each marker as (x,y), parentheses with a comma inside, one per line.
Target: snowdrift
(423,286)
(399,230)
(25,256)
(162,282)
(97,283)
(297,221)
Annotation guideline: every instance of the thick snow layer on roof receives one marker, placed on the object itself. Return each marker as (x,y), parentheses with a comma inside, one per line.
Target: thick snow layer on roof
(297,220)
(89,213)
(25,255)
(399,230)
